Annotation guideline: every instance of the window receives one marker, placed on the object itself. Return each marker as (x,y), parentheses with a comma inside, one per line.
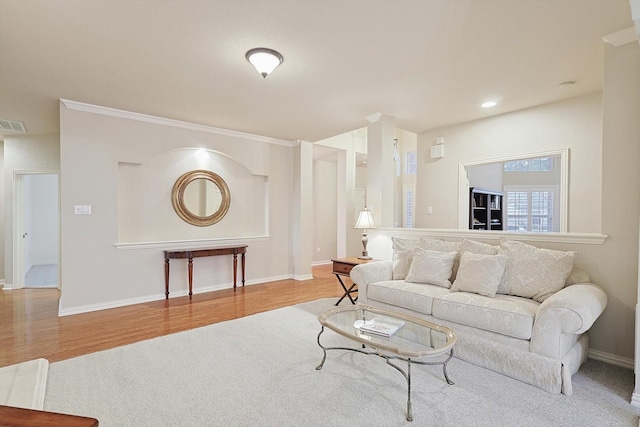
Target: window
(408,207)
(537,164)
(411,162)
(532,209)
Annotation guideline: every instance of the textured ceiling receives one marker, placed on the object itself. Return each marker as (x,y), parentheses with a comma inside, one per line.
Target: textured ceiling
(426,63)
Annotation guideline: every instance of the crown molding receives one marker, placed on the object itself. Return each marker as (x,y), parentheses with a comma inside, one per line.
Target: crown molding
(621,37)
(139,117)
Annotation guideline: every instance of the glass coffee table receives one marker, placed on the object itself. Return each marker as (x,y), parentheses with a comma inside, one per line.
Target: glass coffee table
(391,336)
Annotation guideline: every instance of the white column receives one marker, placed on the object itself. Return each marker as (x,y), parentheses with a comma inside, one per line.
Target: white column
(345,193)
(302,227)
(381,170)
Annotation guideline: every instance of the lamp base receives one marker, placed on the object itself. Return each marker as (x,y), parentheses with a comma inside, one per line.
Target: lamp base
(365,253)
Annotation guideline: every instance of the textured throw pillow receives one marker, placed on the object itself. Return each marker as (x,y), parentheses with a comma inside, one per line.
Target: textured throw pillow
(443,246)
(476,247)
(402,256)
(431,267)
(533,272)
(479,274)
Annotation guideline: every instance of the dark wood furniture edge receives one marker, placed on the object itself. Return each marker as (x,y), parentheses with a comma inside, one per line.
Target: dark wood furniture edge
(20,417)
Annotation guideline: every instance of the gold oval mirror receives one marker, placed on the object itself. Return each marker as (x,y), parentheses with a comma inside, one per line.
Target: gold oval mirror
(201,197)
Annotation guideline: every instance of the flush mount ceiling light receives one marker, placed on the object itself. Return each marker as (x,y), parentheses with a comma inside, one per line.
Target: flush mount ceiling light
(489,104)
(265,60)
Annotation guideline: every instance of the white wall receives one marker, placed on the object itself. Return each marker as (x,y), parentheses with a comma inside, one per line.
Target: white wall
(575,123)
(325,207)
(2,217)
(348,177)
(98,271)
(616,264)
(43,223)
(487,177)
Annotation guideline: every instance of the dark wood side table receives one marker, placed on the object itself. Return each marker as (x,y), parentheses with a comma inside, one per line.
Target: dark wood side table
(20,417)
(342,267)
(190,255)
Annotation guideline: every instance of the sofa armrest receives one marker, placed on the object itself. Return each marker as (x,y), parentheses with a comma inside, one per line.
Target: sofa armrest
(371,272)
(572,310)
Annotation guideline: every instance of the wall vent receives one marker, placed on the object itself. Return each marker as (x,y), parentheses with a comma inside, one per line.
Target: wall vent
(12,126)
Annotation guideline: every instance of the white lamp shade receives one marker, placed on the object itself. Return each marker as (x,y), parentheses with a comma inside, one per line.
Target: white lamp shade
(264,60)
(365,220)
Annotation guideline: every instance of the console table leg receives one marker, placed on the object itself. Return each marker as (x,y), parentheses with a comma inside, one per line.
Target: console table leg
(190,277)
(166,278)
(242,269)
(235,270)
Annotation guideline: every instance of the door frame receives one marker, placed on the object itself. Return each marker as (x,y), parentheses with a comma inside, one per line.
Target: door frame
(18,223)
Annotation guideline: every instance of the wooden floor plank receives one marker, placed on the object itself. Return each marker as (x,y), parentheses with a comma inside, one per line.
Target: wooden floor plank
(30,327)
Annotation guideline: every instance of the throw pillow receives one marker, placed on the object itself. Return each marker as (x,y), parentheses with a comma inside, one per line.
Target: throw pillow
(532,272)
(402,256)
(476,247)
(431,267)
(443,246)
(479,273)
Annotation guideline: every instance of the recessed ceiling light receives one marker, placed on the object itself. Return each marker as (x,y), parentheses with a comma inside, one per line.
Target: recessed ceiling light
(566,85)
(489,104)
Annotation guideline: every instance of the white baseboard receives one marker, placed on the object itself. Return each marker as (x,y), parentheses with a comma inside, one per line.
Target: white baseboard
(611,359)
(317,263)
(303,277)
(635,400)
(156,297)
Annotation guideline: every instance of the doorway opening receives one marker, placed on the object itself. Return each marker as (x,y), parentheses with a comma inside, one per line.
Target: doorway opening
(36,232)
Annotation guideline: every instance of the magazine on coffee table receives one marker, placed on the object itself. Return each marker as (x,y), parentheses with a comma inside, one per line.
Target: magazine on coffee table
(379,326)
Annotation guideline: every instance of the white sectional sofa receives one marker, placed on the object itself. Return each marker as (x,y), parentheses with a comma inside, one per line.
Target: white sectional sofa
(518,310)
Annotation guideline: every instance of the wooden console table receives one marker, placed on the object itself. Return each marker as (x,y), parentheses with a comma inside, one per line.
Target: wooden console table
(196,253)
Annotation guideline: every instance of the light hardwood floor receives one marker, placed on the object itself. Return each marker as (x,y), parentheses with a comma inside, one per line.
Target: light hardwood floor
(30,327)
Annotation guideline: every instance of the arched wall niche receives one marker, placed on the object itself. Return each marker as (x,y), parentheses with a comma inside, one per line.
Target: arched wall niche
(146,213)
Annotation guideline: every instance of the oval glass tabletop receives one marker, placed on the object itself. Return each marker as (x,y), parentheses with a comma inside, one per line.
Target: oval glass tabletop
(401,334)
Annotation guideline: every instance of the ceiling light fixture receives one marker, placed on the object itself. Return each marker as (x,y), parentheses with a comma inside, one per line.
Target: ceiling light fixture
(265,60)
(489,104)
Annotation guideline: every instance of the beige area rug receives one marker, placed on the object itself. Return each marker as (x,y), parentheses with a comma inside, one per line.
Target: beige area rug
(260,371)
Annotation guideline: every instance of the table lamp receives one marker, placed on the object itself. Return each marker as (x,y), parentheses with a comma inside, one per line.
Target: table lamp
(365,221)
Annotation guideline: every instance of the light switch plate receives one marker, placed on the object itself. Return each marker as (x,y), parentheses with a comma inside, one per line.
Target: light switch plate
(82,210)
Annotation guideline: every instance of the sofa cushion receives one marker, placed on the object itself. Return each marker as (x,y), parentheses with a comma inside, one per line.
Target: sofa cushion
(402,256)
(479,274)
(431,267)
(443,246)
(414,296)
(504,314)
(533,272)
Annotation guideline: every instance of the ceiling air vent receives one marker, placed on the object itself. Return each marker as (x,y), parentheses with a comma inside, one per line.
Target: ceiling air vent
(12,126)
